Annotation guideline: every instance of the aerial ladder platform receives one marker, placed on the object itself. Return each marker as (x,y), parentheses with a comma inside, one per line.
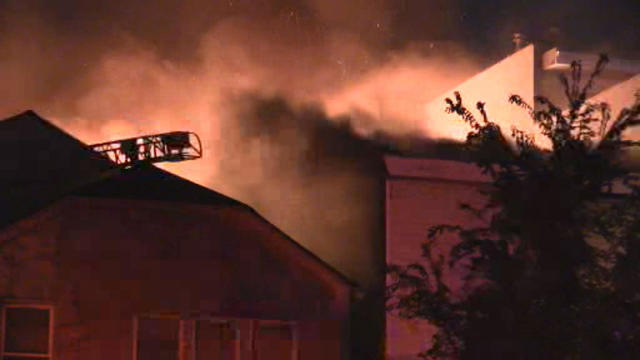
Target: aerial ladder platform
(165,147)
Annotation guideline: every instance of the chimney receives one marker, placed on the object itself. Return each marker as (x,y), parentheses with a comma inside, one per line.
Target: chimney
(519,40)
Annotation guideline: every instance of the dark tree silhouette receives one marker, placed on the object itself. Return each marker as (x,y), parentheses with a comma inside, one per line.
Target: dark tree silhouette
(556,265)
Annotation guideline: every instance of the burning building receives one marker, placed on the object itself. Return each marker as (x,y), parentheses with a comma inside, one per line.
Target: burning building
(105,259)
(426,190)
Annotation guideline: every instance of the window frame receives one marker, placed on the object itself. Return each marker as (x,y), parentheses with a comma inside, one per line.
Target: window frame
(181,326)
(295,336)
(232,322)
(3,330)
(136,329)
(249,336)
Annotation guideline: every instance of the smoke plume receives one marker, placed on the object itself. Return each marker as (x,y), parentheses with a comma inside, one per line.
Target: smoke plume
(287,98)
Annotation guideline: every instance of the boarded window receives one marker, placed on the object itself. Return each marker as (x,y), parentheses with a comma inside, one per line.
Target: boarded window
(158,339)
(26,332)
(274,341)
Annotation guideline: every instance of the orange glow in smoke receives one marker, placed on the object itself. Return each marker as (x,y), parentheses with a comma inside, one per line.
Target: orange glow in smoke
(134,92)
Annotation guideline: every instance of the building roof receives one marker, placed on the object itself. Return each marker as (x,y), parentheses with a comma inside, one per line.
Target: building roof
(147,182)
(42,164)
(436,169)
(39,163)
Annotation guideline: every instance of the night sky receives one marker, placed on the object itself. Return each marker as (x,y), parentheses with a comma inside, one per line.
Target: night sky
(174,26)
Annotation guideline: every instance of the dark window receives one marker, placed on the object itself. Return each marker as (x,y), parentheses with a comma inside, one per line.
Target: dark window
(158,339)
(212,339)
(26,332)
(274,341)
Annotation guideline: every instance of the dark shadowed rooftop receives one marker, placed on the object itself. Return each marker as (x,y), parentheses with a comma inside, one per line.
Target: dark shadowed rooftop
(42,164)
(147,182)
(39,164)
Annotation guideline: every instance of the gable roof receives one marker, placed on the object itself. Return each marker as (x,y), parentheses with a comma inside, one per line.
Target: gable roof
(147,182)
(39,163)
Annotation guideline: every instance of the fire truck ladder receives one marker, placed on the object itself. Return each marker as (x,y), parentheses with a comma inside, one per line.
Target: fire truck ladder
(172,146)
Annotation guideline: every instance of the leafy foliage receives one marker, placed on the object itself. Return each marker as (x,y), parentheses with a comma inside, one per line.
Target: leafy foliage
(556,263)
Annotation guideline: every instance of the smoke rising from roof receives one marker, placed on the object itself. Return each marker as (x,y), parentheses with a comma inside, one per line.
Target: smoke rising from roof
(283,94)
(287,96)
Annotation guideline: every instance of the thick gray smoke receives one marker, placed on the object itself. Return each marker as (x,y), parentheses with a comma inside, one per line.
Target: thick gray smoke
(286,96)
